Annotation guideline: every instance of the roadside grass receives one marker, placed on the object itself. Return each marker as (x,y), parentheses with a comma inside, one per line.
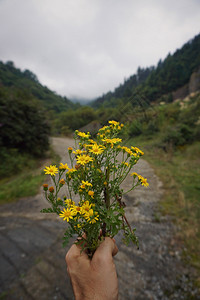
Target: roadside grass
(27,182)
(179,171)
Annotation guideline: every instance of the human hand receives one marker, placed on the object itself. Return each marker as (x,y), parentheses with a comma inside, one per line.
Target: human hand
(96,278)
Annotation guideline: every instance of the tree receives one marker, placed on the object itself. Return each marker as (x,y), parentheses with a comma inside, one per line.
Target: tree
(23,125)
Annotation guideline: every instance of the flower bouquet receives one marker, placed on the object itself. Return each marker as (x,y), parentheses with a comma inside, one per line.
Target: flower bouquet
(96,172)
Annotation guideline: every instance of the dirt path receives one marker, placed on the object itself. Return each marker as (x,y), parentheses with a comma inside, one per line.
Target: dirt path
(32,258)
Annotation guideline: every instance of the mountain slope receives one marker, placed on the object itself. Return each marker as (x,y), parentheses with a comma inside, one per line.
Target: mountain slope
(154,82)
(26,81)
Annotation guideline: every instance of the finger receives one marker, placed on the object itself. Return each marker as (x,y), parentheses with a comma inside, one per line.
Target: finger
(75,253)
(105,251)
(109,244)
(115,250)
(114,247)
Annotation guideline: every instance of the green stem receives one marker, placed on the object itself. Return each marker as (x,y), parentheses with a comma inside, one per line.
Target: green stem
(106,199)
(124,217)
(131,188)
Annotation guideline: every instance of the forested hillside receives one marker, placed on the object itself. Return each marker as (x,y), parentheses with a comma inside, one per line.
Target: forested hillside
(158,82)
(26,112)
(27,82)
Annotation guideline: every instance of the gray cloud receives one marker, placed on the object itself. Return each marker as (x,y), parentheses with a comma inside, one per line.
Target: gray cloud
(84,48)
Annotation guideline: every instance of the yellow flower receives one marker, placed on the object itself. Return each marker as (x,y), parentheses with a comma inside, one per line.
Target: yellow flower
(76,209)
(72,170)
(137,150)
(89,214)
(112,141)
(92,141)
(116,140)
(51,170)
(70,149)
(113,123)
(63,166)
(69,202)
(83,159)
(143,181)
(94,219)
(83,134)
(91,193)
(86,183)
(78,151)
(86,207)
(91,217)
(134,174)
(127,150)
(62,181)
(125,163)
(103,128)
(96,149)
(66,214)
(78,226)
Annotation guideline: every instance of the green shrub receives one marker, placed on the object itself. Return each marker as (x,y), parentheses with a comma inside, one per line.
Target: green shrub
(23,125)
(13,162)
(66,131)
(178,135)
(135,128)
(152,127)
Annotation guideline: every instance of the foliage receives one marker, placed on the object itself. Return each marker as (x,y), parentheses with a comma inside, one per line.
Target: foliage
(24,184)
(20,174)
(177,124)
(97,171)
(73,119)
(123,91)
(23,131)
(13,161)
(178,135)
(23,125)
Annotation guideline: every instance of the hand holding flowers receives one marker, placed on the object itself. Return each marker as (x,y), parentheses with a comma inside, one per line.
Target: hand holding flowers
(98,169)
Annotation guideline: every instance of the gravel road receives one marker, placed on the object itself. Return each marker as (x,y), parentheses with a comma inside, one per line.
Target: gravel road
(32,259)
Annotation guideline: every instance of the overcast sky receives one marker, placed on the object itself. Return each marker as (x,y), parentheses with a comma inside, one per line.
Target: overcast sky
(84,48)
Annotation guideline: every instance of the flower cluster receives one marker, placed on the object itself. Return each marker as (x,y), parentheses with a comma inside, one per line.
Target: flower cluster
(94,176)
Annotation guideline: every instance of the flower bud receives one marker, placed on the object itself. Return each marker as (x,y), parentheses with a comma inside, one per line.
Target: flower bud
(62,182)
(51,189)
(45,186)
